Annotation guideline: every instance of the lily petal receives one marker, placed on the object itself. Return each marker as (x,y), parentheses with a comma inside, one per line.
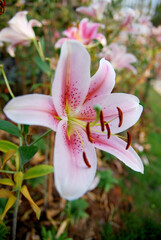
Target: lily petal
(20,25)
(72,176)
(60,42)
(72,78)
(9,35)
(34,23)
(89,11)
(129,104)
(102,81)
(32,109)
(117,147)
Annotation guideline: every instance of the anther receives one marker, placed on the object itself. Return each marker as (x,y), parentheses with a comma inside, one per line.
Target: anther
(108,130)
(120,116)
(88,132)
(86,160)
(102,121)
(128,140)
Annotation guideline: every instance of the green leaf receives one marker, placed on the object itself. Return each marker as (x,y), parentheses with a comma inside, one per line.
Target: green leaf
(10,128)
(42,65)
(38,171)
(18,178)
(4,96)
(107,180)
(42,41)
(5,146)
(26,129)
(6,181)
(26,153)
(36,85)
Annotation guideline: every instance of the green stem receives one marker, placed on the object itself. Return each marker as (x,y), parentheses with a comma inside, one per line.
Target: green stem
(6,81)
(12,95)
(10,172)
(38,139)
(38,49)
(15,216)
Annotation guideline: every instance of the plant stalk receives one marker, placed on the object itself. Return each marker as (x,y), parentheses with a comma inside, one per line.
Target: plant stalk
(14,226)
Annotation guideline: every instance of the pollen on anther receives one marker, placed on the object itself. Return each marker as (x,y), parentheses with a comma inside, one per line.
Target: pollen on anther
(120,116)
(88,132)
(128,140)
(86,160)
(102,121)
(108,130)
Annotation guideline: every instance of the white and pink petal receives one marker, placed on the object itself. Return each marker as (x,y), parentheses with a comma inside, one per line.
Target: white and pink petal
(72,78)
(32,109)
(128,104)
(73,177)
(103,81)
(117,147)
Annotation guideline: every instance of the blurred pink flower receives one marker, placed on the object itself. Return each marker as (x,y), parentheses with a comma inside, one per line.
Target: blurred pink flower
(118,57)
(69,112)
(142,26)
(127,16)
(156,31)
(96,9)
(85,33)
(19,31)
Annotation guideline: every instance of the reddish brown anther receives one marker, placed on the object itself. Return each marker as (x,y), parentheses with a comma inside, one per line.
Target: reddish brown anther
(86,160)
(108,130)
(128,140)
(120,116)
(102,121)
(88,132)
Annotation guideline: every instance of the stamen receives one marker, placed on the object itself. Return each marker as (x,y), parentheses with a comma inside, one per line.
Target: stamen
(108,130)
(102,121)
(86,160)
(120,116)
(88,132)
(128,140)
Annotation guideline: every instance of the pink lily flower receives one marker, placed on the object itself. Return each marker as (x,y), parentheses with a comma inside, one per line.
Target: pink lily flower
(19,32)
(69,112)
(96,9)
(127,16)
(156,31)
(85,33)
(118,57)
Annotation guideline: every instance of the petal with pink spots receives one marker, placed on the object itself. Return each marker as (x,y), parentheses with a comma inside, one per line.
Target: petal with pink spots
(72,78)
(72,176)
(129,104)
